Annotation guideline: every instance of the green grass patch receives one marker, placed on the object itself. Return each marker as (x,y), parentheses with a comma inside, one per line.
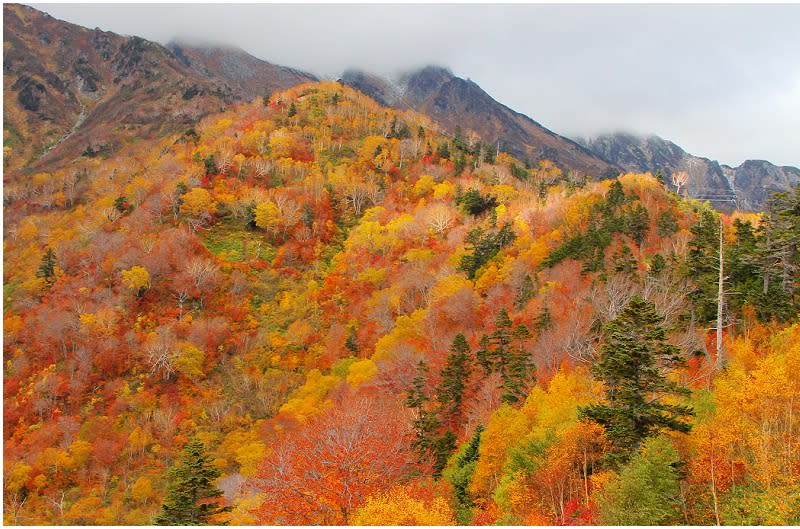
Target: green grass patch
(234,243)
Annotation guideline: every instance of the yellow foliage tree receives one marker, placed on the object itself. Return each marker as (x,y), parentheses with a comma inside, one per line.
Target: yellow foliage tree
(142,490)
(397,507)
(137,279)
(309,399)
(267,215)
(506,426)
(361,371)
(197,201)
(189,360)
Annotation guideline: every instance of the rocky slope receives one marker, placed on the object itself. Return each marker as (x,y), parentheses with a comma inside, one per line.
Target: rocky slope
(246,75)
(70,91)
(746,186)
(452,101)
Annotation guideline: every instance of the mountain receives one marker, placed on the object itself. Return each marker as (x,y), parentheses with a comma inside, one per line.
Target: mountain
(756,180)
(246,75)
(747,186)
(68,90)
(451,101)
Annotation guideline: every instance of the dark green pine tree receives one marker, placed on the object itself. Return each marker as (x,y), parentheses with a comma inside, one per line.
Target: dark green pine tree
(543,321)
(292,110)
(47,268)
(514,363)
(460,473)
(520,367)
(526,291)
(615,196)
(426,424)
(667,223)
(703,265)
(352,341)
(631,365)
(192,498)
(637,222)
(657,265)
(455,377)
(624,261)
(779,248)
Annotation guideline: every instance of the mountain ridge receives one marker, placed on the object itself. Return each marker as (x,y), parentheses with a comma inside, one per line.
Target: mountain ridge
(747,185)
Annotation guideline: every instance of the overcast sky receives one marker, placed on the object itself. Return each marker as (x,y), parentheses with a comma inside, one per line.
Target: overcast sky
(721,81)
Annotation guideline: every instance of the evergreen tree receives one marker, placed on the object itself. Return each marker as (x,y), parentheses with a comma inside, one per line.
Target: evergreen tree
(489,155)
(443,151)
(351,343)
(210,165)
(624,261)
(459,473)
(442,449)
(631,365)
(47,268)
(543,321)
(703,265)
(292,110)
(657,265)
(526,291)
(637,222)
(780,251)
(647,490)
(192,498)
(455,376)
(514,363)
(426,425)
(484,247)
(430,446)
(667,223)
(615,196)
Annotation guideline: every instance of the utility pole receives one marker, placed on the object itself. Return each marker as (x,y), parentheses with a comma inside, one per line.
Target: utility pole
(720,299)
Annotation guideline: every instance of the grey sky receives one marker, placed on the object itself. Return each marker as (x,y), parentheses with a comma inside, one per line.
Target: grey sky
(721,81)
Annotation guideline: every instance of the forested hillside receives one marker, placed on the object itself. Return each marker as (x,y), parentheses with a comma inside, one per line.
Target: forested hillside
(325,311)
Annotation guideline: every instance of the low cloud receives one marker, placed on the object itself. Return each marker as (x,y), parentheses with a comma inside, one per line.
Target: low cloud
(719,80)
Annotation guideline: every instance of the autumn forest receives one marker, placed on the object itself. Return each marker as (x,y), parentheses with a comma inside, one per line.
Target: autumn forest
(313,309)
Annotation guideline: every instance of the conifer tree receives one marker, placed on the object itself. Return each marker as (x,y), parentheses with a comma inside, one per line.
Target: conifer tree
(426,425)
(47,268)
(455,376)
(514,363)
(429,444)
(459,473)
(192,497)
(703,265)
(624,261)
(526,291)
(630,366)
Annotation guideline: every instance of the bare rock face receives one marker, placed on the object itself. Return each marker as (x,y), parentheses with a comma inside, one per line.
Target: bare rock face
(756,180)
(247,76)
(747,186)
(452,101)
